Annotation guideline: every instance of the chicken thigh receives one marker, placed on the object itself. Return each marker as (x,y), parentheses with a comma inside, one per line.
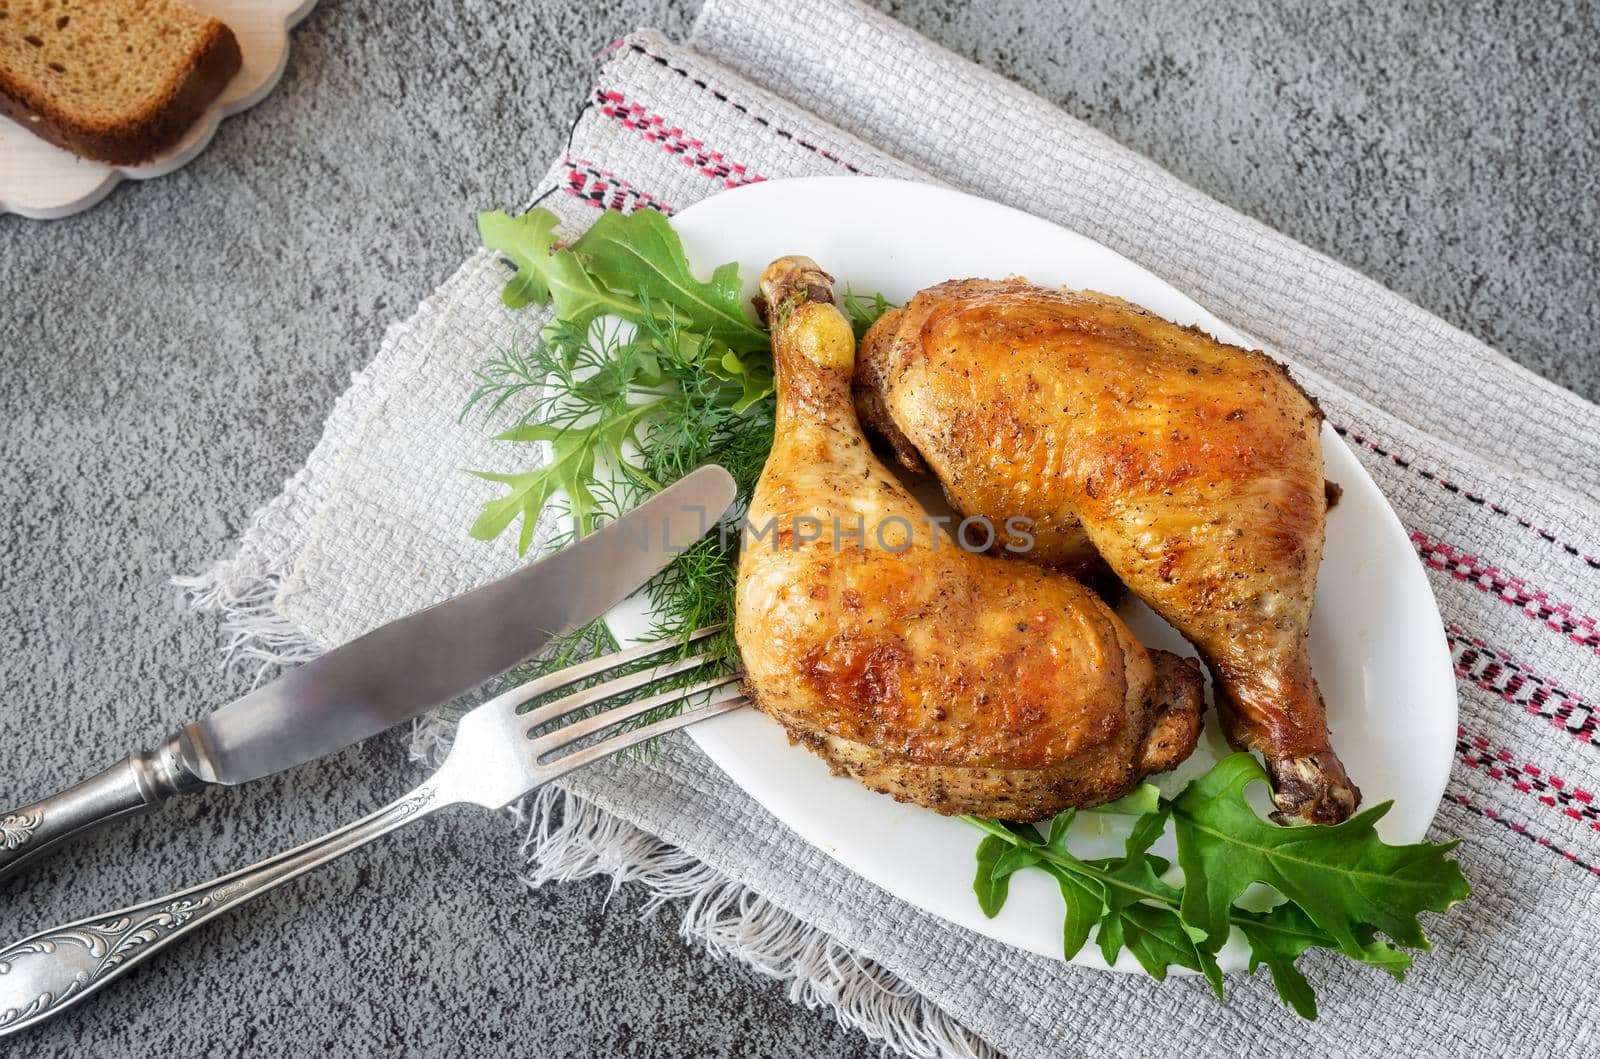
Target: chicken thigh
(1193,468)
(941,676)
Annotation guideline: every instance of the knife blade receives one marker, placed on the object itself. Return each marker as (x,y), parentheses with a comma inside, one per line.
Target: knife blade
(391,674)
(407,667)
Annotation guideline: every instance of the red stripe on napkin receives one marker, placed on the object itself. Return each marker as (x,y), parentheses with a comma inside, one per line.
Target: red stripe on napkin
(604,190)
(1535,603)
(1499,674)
(690,149)
(1499,763)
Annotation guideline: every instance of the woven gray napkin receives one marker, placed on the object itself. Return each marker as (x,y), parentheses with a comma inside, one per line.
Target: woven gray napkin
(1493,472)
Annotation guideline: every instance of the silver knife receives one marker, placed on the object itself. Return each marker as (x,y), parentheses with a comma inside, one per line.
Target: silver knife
(389,675)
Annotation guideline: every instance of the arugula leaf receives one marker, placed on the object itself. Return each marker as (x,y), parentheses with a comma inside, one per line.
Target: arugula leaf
(1086,905)
(1278,951)
(569,472)
(527,241)
(1129,904)
(1342,876)
(1159,940)
(1060,827)
(991,889)
(546,274)
(570,462)
(1133,908)
(755,380)
(1084,898)
(639,254)
(1014,860)
(529,492)
(1278,936)
(1153,932)
(1143,799)
(1001,856)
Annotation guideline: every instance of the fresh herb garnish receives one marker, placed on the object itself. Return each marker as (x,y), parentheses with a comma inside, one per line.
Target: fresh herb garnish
(624,415)
(863,310)
(644,374)
(1344,886)
(632,406)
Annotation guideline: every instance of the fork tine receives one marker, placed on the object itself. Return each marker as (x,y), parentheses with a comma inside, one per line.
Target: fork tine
(623,740)
(577,730)
(578,700)
(514,697)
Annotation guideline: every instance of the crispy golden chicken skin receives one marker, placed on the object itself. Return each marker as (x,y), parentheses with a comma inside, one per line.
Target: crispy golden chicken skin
(1193,468)
(951,679)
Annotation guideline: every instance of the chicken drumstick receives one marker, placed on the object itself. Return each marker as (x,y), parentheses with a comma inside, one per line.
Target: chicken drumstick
(1194,469)
(952,679)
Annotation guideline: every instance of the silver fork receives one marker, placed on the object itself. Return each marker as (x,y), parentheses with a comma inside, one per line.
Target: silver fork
(496,758)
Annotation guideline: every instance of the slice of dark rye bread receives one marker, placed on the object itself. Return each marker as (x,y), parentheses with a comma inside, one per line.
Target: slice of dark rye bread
(115,80)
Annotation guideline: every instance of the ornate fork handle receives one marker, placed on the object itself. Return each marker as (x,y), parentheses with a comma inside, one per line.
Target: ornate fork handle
(54,969)
(134,785)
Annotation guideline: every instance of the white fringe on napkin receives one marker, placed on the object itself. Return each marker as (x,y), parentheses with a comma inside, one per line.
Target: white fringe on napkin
(568,839)
(242,590)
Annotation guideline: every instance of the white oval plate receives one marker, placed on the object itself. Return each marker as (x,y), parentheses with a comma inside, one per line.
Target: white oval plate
(42,181)
(1377,642)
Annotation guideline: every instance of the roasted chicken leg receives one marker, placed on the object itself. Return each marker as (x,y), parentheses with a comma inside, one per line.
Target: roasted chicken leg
(1193,468)
(938,675)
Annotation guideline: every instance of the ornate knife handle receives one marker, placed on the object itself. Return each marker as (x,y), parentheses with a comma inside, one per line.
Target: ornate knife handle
(134,785)
(42,975)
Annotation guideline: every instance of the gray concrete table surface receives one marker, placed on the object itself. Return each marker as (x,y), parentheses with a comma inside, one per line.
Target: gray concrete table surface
(169,356)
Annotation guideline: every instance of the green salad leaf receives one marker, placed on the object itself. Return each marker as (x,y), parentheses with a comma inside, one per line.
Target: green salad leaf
(531,490)
(547,273)
(628,266)
(1368,901)
(569,472)
(1083,896)
(1141,912)
(1085,901)
(1343,876)
(992,885)
(1145,798)
(639,254)
(644,373)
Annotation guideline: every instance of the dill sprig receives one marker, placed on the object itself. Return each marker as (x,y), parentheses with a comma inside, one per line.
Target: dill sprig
(863,309)
(644,374)
(629,411)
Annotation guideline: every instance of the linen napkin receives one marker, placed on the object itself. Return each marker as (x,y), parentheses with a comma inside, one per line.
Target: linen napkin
(1494,473)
